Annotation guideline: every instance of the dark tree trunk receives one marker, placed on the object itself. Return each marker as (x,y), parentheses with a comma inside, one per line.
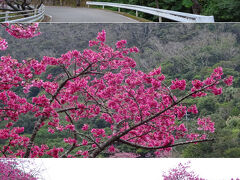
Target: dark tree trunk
(83,3)
(196,8)
(41,2)
(157,4)
(78,2)
(9,3)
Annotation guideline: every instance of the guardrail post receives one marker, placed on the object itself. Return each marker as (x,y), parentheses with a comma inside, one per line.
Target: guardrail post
(88,5)
(119,10)
(160,19)
(103,6)
(6,16)
(35,12)
(136,13)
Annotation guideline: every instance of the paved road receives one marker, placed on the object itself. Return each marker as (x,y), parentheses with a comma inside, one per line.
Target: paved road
(68,14)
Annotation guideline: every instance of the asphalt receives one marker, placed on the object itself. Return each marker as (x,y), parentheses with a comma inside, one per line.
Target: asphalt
(69,14)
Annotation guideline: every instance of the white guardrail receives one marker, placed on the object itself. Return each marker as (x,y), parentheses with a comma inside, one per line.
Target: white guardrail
(27,16)
(161,13)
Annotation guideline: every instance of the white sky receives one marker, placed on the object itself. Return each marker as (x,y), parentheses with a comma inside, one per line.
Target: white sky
(135,169)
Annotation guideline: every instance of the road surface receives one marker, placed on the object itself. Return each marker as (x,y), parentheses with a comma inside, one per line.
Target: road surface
(69,14)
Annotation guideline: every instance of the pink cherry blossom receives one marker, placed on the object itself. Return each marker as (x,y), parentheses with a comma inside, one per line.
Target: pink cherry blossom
(178,84)
(111,149)
(85,127)
(228,81)
(193,109)
(3,44)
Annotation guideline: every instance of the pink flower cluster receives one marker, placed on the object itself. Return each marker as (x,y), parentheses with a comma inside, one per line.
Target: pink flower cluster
(102,36)
(212,82)
(178,84)
(19,31)
(121,44)
(85,127)
(193,109)
(54,152)
(98,132)
(3,44)
(22,31)
(228,81)
(206,124)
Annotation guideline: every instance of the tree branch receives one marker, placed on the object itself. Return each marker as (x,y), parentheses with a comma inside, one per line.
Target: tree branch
(162,147)
(117,137)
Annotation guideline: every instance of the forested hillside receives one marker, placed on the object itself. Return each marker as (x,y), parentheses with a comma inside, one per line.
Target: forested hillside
(185,51)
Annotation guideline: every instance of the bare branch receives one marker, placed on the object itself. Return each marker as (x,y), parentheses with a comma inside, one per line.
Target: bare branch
(166,146)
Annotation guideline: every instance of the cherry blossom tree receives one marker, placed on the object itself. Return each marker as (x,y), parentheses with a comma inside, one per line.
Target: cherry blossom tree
(181,172)
(20,169)
(141,109)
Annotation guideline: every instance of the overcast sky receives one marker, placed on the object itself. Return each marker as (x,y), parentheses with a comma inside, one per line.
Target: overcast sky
(135,169)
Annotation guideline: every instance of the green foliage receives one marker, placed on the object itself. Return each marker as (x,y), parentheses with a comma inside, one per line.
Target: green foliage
(233,122)
(223,10)
(208,105)
(197,150)
(187,3)
(232,153)
(227,139)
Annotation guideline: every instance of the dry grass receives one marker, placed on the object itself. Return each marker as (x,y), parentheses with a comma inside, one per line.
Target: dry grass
(46,18)
(134,17)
